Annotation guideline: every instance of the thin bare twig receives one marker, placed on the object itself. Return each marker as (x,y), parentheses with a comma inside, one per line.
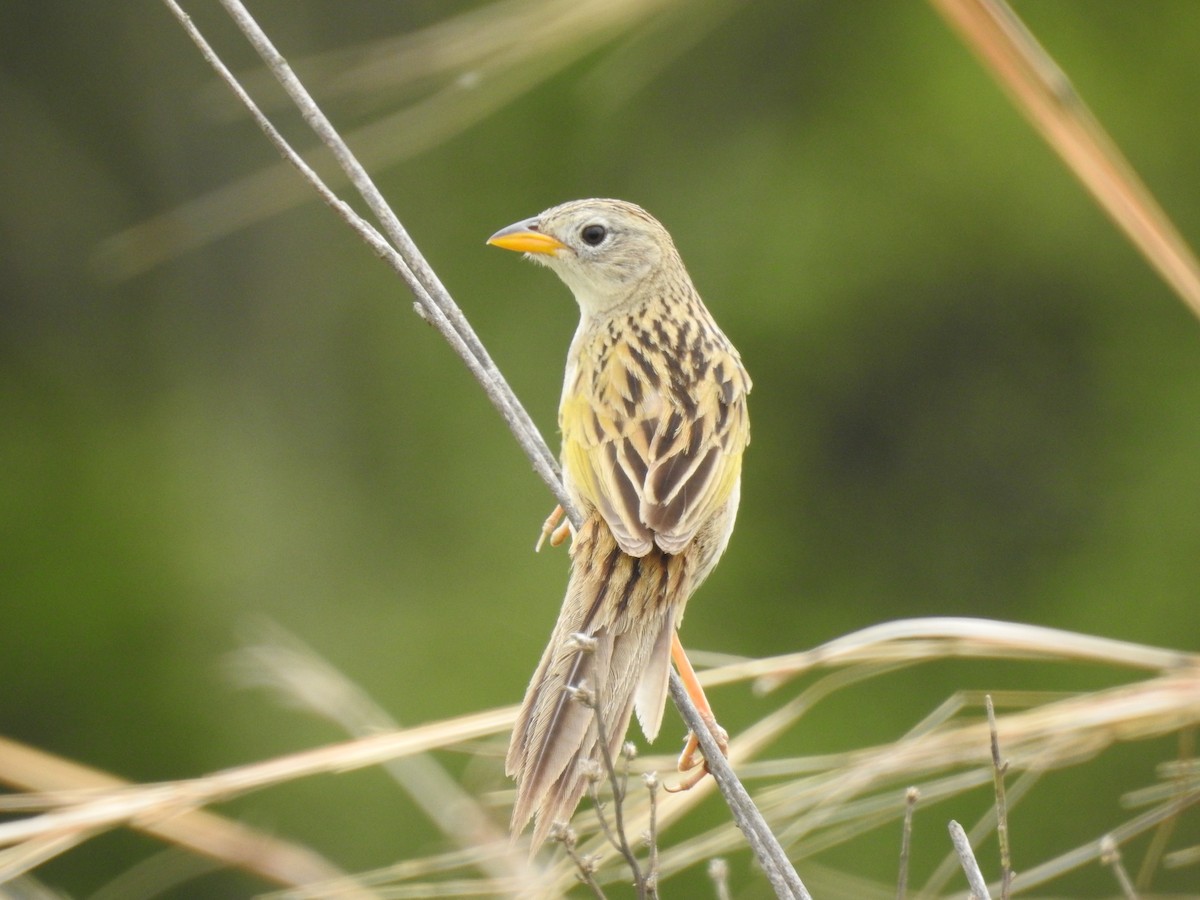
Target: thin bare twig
(999,770)
(770,854)
(966,856)
(614,832)
(436,303)
(910,804)
(650,779)
(585,866)
(1162,835)
(718,871)
(1110,855)
(433,300)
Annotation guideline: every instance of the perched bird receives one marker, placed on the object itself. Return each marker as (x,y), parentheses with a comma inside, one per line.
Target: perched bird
(654,422)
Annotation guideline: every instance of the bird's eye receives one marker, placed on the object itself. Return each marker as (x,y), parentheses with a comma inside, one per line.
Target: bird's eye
(593,234)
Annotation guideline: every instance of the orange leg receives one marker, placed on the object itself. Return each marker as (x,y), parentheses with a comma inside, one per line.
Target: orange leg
(554,528)
(687,759)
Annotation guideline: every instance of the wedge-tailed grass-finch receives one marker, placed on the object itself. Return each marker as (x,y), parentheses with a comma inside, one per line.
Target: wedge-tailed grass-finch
(653,419)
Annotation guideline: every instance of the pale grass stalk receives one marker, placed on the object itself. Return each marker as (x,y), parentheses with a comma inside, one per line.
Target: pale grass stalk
(718,872)
(943,637)
(151,807)
(386,878)
(1183,776)
(1093,851)
(910,804)
(1041,91)
(157,874)
(1056,733)
(999,769)
(1178,859)
(979,832)
(1047,735)
(23,858)
(280,661)
(1110,855)
(650,780)
(58,782)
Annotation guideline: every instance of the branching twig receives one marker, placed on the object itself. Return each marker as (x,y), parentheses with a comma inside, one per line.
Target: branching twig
(585,866)
(615,832)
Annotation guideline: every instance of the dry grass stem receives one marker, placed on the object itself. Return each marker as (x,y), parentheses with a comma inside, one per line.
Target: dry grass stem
(1110,855)
(613,832)
(60,783)
(910,804)
(1044,94)
(999,769)
(718,871)
(277,660)
(826,800)
(913,640)
(823,800)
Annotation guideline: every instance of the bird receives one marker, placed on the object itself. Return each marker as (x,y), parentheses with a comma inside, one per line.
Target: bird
(654,424)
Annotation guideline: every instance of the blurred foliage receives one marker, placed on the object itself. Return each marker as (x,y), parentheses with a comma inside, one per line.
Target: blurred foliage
(971,395)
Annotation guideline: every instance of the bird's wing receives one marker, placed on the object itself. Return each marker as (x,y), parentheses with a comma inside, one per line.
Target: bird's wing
(657,445)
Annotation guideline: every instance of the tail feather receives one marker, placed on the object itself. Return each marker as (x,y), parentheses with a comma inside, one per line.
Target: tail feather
(651,696)
(629,607)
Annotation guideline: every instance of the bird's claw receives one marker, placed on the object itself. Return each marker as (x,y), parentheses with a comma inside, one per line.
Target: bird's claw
(695,769)
(553,528)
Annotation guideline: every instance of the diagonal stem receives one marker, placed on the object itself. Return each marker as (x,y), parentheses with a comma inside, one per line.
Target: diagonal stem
(435,303)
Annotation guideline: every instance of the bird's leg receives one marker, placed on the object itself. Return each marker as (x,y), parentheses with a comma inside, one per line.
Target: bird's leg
(554,528)
(687,760)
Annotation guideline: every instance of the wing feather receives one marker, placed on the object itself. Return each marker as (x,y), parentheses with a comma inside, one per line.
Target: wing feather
(656,452)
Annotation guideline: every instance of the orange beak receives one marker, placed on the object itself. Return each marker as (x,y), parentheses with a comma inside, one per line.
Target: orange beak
(524,237)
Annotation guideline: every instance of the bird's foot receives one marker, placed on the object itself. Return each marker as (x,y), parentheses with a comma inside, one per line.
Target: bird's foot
(695,769)
(553,528)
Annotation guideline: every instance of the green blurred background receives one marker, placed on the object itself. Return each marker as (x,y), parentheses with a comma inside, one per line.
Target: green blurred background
(972,397)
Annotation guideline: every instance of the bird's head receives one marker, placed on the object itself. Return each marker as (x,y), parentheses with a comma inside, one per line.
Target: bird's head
(603,250)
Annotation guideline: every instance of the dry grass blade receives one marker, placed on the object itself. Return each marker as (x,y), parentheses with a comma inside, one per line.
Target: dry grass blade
(913,640)
(63,782)
(280,661)
(156,806)
(1043,93)
(832,800)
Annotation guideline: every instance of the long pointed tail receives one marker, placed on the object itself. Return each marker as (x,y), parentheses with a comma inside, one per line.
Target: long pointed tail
(629,607)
